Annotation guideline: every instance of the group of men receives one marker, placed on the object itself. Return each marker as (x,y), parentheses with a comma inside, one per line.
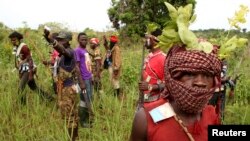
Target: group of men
(74,71)
(176,89)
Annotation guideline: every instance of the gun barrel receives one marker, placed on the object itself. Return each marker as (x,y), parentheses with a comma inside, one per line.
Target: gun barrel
(87,101)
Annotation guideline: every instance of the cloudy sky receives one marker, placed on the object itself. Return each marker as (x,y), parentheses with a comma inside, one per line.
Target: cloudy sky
(215,13)
(80,14)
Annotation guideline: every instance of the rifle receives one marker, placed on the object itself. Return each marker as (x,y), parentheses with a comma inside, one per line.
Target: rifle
(141,96)
(87,101)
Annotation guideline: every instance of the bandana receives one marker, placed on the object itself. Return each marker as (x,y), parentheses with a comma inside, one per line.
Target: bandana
(113,38)
(189,99)
(94,41)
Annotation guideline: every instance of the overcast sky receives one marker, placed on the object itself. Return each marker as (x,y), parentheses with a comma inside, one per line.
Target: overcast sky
(80,14)
(215,13)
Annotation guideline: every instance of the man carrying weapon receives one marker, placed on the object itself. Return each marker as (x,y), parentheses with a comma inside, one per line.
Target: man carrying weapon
(68,71)
(153,70)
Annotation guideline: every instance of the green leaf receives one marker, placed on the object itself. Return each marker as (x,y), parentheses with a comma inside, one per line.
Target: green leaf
(172,11)
(230,45)
(151,27)
(207,47)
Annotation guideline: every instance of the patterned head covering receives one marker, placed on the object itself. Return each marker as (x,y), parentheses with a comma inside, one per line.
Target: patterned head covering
(179,60)
(94,41)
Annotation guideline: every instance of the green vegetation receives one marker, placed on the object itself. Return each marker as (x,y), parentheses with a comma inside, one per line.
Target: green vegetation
(41,121)
(132,16)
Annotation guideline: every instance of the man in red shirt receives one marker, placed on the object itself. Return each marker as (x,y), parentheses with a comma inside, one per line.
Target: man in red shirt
(182,113)
(153,69)
(24,63)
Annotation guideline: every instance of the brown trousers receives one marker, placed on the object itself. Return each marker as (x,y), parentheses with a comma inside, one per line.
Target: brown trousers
(67,104)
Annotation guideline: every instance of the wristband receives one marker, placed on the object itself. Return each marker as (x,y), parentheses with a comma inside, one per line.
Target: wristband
(150,87)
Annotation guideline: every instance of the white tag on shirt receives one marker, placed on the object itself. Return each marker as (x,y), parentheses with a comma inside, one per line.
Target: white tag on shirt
(148,78)
(162,112)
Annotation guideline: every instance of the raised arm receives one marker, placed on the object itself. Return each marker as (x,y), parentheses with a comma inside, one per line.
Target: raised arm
(57,46)
(105,42)
(62,50)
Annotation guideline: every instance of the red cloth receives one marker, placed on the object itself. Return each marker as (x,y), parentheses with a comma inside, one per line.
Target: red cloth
(25,52)
(94,41)
(154,68)
(114,38)
(53,56)
(170,130)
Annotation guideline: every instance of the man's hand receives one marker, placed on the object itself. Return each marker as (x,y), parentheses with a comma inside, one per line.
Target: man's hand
(47,36)
(143,86)
(104,38)
(231,94)
(82,86)
(30,76)
(45,62)
(115,72)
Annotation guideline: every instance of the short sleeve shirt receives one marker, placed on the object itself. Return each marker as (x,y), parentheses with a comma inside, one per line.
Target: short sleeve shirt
(81,54)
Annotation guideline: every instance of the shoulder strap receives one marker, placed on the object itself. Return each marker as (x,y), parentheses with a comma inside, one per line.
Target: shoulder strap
(19,49)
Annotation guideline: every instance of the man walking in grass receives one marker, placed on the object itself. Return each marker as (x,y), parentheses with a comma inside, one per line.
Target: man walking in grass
(26,67)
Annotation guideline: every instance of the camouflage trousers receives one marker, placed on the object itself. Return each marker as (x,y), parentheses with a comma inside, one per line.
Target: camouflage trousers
(67,104)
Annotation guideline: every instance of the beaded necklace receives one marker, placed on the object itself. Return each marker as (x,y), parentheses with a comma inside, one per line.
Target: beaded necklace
(184,128)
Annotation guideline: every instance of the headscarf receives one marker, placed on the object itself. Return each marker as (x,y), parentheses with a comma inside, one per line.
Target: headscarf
(94,41)
(113,38)
(179,60)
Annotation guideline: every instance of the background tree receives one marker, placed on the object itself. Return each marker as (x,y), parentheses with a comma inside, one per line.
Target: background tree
(90,32)
(131,17)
